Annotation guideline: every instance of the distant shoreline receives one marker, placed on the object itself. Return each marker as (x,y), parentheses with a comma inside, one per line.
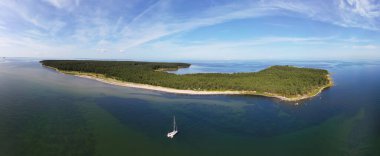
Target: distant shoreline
(104,79)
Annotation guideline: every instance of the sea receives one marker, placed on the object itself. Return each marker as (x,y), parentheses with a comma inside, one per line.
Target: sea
(43,112)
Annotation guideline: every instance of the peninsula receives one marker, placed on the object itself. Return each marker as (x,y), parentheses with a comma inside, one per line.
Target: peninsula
(284,82)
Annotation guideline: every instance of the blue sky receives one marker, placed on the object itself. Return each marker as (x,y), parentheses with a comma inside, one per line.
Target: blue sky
(191,30)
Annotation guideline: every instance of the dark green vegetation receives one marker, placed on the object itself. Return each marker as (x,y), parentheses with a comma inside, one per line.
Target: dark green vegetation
(286,81)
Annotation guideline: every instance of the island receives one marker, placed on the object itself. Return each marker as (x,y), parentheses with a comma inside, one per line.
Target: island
(288,83)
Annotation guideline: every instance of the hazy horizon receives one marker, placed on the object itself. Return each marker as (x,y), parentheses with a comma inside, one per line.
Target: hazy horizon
(197,60)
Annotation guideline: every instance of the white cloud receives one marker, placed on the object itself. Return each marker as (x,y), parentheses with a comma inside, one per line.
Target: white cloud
(365,8)
(359,13)
(61,4)
(30,47)
(356,40)
(368,47)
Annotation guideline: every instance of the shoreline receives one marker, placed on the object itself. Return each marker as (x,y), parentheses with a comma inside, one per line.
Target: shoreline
(112,81)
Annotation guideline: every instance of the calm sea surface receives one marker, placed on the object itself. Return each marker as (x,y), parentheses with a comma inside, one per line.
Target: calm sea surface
(43,112)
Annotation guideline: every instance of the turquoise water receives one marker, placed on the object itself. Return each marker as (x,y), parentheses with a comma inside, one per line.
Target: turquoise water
(43,112)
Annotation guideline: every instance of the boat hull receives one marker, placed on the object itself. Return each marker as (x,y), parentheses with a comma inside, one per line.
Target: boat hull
(172,134)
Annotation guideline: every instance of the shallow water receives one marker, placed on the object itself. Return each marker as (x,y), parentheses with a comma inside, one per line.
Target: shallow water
(43,112)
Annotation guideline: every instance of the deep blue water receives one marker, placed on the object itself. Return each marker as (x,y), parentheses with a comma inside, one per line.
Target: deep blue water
(43,112)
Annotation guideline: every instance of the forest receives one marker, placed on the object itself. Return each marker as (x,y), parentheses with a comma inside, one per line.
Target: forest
(287,81)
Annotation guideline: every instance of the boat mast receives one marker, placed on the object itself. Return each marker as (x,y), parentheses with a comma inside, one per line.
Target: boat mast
(174,126)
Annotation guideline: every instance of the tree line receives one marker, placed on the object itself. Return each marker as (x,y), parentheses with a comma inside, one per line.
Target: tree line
(283,80)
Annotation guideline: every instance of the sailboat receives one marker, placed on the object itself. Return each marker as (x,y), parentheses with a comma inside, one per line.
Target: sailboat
(175,130)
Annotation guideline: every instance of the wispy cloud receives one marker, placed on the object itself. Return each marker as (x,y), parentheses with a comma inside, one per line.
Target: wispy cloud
(365,8)
(23,14)
(369,46)
(120,26)
(158,27)
(145,11)
(263,47)
(60,4)
(363,14)
(360,13)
